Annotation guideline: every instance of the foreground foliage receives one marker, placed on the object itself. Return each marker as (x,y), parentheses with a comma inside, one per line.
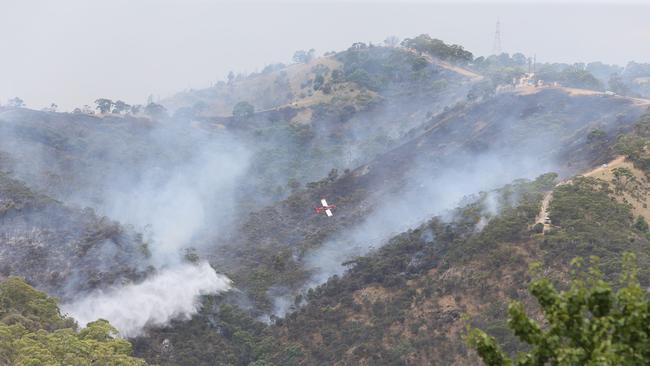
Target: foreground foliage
(33,332)
(590,323)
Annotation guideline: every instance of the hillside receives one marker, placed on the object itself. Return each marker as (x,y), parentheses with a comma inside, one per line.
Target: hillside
(342,110)
(404,303)
(476,275)
(61,250)
(576,137)
(514,133)
(360,73)
(193,229)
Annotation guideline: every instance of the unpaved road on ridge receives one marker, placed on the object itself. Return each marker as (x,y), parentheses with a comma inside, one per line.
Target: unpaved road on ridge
(543,211)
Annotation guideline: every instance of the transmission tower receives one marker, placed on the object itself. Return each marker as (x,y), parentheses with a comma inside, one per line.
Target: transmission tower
(496,48)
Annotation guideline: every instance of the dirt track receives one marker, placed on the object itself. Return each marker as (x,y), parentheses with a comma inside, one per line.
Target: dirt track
(606,167)
(529,89)
(543,212)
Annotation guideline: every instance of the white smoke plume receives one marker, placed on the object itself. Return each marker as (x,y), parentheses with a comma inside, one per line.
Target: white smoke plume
(171,294)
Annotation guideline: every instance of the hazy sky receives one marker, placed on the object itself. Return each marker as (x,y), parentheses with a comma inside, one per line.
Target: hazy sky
(74,51)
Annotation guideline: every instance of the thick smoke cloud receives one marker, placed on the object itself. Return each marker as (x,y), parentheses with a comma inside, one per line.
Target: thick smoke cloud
(170,294)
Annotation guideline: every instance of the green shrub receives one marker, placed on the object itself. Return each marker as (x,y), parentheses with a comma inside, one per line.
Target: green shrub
(588,324)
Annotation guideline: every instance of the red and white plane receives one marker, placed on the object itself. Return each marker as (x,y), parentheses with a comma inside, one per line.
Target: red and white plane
(327,208)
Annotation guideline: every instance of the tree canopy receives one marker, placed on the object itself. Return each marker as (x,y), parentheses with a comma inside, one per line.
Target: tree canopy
(156,111)
(104,105)
(243,110)
(16,102)
(303,57)
(435,47)
(590,323)
(120,106)
(33,332)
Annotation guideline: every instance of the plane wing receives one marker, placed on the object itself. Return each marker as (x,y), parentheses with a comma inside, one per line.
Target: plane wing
(328,212)
(323,202)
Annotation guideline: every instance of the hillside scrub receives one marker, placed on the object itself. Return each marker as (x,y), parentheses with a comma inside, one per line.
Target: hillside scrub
(344,320)
(222,335)
(378,68)
(574,76)
(588,220)
(48,243)
(634,144)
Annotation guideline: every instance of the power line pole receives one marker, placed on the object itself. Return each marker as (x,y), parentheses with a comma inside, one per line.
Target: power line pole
(496,47)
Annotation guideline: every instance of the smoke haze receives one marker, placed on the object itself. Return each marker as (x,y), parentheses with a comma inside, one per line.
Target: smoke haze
(429,193)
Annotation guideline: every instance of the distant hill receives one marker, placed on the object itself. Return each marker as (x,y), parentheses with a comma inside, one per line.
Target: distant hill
(348,77)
